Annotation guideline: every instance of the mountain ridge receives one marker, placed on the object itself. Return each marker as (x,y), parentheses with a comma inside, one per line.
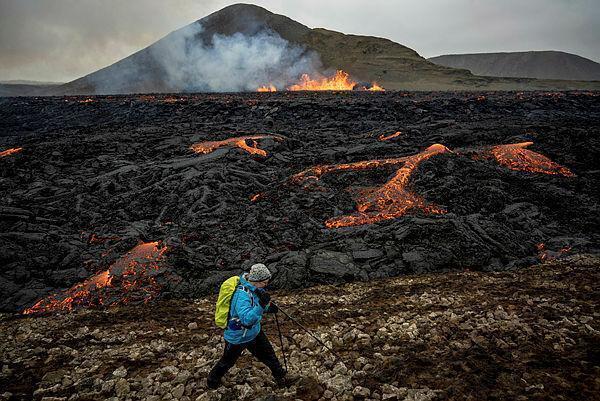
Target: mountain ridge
(153,69)
(546,64)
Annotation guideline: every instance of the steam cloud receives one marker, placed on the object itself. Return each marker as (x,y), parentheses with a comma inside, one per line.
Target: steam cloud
(226,64)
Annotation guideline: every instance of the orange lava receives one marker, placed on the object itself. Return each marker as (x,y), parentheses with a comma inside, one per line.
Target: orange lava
(376,88)
(393,199)
(339,82)
(541,249)
(383,137)
(316,172)
(131,272)
(390,201)
(10,151)
(241,142)
(546,255)
(516,157)
(88,100)
(256,197)
(267,88)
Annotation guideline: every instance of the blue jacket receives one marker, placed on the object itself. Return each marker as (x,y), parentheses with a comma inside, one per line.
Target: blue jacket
(245,314)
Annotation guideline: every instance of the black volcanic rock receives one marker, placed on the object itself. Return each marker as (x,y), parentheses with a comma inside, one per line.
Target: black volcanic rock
(531,64)
(98,175)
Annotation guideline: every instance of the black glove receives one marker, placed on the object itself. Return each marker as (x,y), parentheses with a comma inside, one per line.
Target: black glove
(273,308)
(263,298)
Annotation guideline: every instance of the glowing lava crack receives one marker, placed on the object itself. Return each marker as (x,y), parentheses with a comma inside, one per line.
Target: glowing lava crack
(393,199)
(129,279)
(247,143)
(516,157)
(10,151)
(390,201)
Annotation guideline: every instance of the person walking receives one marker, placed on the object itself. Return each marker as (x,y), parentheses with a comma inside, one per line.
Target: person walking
(249,302)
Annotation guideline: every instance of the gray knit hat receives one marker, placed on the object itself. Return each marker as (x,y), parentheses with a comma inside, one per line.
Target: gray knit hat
(258,272)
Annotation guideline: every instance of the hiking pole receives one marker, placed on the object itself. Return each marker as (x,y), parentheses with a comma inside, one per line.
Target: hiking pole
(309,333)
(281,341)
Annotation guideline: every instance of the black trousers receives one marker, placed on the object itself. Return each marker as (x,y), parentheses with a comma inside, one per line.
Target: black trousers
(260,347)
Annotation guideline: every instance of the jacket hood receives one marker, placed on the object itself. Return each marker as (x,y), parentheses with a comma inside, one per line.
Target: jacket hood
(246,283)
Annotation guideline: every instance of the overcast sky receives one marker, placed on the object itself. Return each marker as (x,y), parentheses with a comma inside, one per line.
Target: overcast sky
(60,40)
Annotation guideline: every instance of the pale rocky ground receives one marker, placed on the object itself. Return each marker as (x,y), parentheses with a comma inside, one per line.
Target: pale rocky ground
(530,334)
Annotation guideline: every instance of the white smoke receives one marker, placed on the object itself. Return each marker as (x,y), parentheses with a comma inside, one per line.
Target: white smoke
(230,63)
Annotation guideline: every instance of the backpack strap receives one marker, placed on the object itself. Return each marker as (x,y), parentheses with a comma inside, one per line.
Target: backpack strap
(247,291)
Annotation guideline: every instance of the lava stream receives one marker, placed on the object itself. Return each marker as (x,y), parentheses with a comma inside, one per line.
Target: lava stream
(516,157)
(317,172)
(10,151)
(384,137)
(240,142)
(390,201)
(129,278)
(393,199)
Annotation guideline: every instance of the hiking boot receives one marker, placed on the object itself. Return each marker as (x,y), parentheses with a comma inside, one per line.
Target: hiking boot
(212,383)
(287,380)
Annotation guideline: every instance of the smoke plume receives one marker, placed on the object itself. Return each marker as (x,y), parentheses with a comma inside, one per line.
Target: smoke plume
(186,61)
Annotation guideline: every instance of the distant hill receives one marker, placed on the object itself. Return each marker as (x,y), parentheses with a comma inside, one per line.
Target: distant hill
(26,88)
(242,47)
(27,82)
(532,64)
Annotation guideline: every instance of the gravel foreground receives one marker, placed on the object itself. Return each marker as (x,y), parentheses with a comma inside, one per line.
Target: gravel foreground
(531,334)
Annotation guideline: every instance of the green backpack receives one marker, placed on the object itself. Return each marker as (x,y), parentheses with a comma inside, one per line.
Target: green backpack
(224,301)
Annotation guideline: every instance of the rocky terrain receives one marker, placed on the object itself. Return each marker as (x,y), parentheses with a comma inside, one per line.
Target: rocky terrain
(527,334)
(324,188)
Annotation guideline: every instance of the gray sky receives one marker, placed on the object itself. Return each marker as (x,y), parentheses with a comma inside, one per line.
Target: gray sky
(60,40)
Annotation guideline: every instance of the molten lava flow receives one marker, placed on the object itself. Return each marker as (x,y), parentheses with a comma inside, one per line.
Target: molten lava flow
(10,151)
(316,172)
(241,142)
(393,199)
(384,137)
(546,255)
(88,100)
(542,253)
(376,88)
(129,278)
(267,88)
(256,197)
(390,201)
(516,157)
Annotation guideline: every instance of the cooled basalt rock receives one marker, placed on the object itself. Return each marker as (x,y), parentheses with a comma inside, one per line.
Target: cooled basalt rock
(97,176)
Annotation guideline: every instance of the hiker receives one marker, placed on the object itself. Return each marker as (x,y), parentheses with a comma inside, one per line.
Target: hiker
(243,329)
